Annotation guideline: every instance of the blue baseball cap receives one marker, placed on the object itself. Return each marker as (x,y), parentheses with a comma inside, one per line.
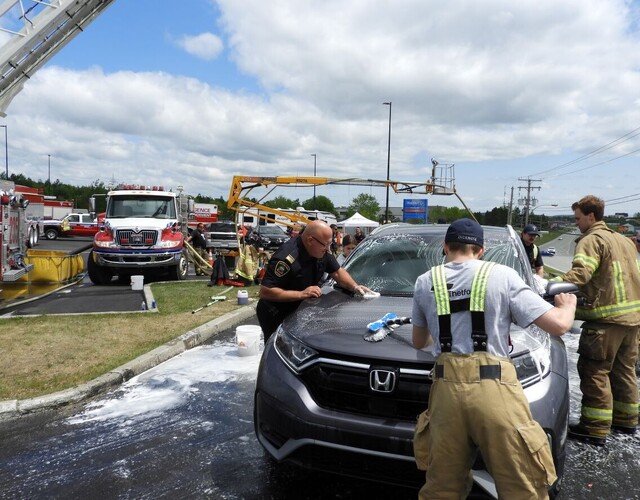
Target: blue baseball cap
(530,229)
(465,231)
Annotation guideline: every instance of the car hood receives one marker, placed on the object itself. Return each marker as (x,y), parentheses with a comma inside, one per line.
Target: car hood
(336,324)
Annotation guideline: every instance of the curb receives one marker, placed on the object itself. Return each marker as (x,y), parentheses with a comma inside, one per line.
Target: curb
(15,408)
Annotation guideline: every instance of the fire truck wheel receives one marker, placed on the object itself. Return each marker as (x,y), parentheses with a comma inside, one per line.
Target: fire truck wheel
(179,272)
(31,237)
(51,234)
(97,274)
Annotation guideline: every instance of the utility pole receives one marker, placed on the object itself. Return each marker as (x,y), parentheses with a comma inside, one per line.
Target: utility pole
(510,212)
(386,206)
(315,158)
(528,201)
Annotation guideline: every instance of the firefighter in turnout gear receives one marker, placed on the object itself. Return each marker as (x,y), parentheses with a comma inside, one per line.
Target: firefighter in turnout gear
(605,268)
(466,307)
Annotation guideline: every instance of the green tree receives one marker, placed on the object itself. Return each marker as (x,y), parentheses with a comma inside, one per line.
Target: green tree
(321,203)
(364,204)
(282,202)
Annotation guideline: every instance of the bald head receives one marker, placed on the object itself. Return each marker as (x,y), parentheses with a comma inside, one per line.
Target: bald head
(317,238)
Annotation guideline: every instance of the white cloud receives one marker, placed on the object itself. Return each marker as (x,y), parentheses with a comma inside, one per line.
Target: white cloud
(503,89)
(205,46)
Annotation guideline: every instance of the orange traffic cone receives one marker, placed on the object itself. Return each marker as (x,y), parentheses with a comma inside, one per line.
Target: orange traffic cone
(210,259)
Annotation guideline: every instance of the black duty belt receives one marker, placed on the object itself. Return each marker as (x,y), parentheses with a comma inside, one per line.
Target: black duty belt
(486,371)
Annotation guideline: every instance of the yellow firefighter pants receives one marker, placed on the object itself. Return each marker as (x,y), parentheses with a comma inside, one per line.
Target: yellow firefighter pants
(468,412)
(608,382)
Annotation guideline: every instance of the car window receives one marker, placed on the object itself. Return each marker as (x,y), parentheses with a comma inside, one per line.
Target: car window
(391,264)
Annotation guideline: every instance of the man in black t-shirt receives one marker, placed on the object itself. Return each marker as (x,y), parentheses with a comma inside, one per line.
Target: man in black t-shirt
(199,244)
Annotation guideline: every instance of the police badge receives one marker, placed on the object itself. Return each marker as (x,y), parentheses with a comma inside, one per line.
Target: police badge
(281,269)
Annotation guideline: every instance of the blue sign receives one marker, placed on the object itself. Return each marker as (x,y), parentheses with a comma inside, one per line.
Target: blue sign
(415,209)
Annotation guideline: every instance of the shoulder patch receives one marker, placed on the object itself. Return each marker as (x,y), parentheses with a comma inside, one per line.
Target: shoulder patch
(281,269)
(290,259)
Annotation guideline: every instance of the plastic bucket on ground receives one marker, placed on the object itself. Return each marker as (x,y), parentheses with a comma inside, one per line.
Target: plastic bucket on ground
(243,297)
(248,339)
(137,282)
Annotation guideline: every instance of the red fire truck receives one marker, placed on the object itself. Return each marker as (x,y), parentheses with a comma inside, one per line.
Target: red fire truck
(16,233)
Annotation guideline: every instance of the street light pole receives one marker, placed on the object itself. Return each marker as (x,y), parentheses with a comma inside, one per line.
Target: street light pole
(540,206)
(386,207)
(49,171)
(315,157)
(6,153)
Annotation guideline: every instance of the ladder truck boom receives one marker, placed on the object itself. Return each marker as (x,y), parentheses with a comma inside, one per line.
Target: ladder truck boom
(38,30)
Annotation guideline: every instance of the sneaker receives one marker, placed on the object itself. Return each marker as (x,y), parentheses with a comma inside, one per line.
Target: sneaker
(623,429)
(579,433)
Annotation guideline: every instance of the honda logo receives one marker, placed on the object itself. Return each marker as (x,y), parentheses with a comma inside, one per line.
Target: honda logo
(382,380)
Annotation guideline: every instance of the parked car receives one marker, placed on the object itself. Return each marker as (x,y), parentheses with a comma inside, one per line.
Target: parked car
(549,252)
(269,237)
(222,235)
(318,400)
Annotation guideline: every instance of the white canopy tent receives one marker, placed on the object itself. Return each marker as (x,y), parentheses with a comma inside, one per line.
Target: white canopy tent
(356,220)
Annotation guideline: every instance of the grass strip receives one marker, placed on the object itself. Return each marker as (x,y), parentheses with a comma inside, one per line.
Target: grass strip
(45,354)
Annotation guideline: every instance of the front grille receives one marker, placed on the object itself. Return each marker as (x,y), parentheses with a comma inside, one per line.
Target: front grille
(130,238)
(347,389)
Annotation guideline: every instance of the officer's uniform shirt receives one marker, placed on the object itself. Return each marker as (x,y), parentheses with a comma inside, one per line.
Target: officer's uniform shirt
(292,268)
(510,300)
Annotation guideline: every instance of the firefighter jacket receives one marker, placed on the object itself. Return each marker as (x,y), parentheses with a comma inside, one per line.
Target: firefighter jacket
(605,269)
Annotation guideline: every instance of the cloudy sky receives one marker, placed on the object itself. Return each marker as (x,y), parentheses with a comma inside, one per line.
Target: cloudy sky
(193,92)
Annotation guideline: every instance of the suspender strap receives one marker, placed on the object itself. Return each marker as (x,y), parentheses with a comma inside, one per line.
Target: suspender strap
(475,304)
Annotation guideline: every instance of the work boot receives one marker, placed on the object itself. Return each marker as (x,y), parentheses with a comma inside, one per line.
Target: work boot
(579,433)
(624,429)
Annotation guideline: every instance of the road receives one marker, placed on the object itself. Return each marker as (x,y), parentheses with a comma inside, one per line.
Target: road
(184,430)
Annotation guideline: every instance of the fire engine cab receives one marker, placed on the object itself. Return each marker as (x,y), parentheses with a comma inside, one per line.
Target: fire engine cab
(144,229)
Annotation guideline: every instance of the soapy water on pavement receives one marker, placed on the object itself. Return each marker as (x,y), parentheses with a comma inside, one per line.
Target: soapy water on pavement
(171,383)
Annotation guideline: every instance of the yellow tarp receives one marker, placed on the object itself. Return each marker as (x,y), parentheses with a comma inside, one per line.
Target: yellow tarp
(51,266)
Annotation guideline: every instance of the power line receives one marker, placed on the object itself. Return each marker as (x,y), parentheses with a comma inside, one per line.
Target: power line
(628,136)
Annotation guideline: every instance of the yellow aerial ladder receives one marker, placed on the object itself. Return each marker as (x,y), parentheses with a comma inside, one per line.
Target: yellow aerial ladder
(441,182)
(38,29)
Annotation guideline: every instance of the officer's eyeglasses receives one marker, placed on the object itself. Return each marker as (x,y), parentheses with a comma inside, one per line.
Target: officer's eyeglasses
(326,246)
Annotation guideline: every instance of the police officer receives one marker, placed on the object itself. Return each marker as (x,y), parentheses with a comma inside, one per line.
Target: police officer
(528,236)
(605,268)
(294,272)
(466,307)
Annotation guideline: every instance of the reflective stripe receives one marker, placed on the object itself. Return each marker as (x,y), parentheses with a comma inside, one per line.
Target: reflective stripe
(597,413)
(479,286)
(625,408)
(590,262)
(621,293)
(610,310)
(440,290)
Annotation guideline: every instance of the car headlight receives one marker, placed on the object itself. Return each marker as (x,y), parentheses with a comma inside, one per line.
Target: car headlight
(293,352)
(533,366)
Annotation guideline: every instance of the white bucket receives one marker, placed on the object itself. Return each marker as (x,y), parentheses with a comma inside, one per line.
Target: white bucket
(248,339)
(137,282)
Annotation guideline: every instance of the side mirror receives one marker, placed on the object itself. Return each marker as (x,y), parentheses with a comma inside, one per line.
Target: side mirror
(556,287)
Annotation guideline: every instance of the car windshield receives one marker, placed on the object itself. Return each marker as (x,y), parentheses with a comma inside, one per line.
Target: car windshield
(157,207)
(390,264)
(271,231)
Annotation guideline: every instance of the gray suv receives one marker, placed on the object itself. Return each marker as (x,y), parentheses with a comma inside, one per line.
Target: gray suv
(319,402)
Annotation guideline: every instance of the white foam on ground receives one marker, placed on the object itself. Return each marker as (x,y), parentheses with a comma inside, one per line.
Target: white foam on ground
(168,385)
